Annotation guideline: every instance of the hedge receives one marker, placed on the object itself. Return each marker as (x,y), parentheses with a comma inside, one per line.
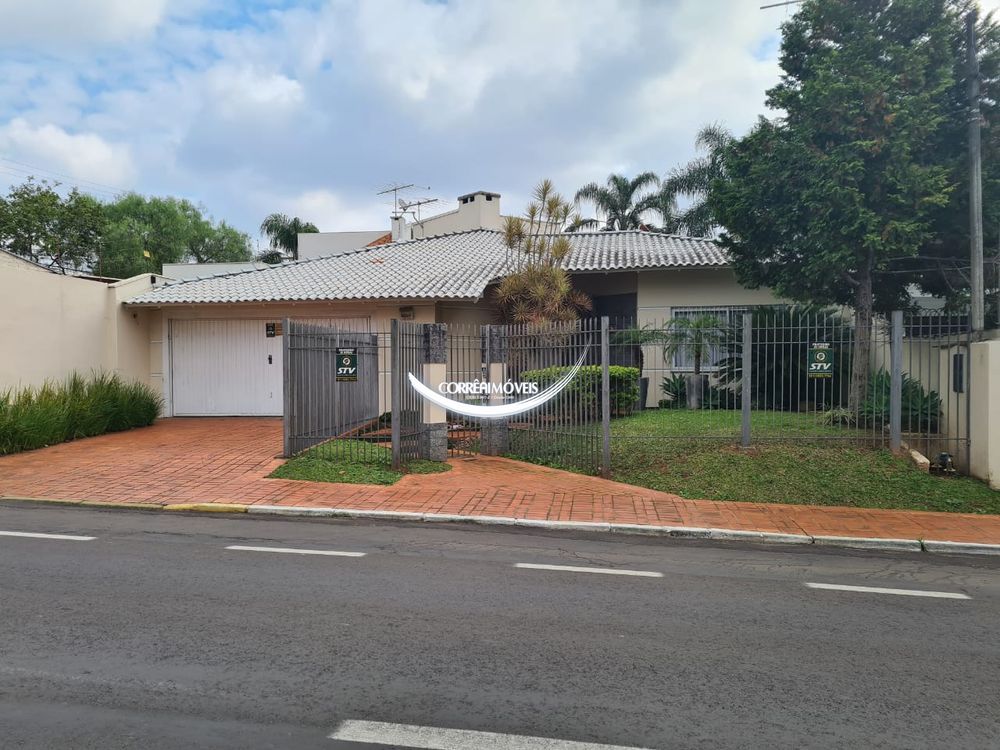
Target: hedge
(583,394)
(79,407)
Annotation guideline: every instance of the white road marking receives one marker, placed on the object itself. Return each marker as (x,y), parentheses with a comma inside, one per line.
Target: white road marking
(577,569)
(878,590)
(294,551)
(39,535)
(436,738)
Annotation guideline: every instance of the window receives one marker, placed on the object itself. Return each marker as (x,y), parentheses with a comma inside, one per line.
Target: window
(730,319)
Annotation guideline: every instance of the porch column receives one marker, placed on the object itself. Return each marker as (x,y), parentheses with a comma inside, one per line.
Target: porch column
(434,419)
(495,433)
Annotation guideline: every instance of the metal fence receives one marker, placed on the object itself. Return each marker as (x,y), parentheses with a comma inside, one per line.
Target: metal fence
(738,376)
(787,373)
(568,430)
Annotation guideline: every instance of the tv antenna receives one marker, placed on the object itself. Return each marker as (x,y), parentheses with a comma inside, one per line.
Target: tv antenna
(396,188)
(413,207)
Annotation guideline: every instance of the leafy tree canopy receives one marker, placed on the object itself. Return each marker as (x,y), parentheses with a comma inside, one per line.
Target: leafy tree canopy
(130,235)
(840,197)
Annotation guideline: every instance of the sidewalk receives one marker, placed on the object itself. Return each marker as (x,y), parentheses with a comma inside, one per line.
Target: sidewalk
(183,461)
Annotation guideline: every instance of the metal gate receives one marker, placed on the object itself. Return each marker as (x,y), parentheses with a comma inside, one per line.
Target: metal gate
(568,430)
(331,389)
(468,373)
(409,343)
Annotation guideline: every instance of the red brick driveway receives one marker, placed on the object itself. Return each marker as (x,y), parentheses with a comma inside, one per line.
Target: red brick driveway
(227,461)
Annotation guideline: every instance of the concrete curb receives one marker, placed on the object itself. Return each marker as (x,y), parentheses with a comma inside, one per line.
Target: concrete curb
(960,548)
(637,529)
(854,542)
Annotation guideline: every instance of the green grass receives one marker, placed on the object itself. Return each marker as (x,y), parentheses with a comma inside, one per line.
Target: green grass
(78,407)
(695,454)
(350,462)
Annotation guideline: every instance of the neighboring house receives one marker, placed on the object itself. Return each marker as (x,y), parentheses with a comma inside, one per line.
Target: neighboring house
(218,359)
(185,271)
(315,244)
(478,210)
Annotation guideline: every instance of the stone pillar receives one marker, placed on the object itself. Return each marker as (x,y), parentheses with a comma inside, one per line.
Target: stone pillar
(434,424)
(495,433)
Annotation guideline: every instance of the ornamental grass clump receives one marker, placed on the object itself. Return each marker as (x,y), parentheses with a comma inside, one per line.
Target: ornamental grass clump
(78,407)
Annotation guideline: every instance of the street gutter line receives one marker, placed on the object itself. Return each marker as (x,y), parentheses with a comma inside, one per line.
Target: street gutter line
(294,551)
(878,590)
(39,535)
(438,738)
(577,569)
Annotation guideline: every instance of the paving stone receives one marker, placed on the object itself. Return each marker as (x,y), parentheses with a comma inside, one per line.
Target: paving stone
(227,460)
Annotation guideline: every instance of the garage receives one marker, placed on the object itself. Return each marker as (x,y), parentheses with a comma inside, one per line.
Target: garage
(226,367)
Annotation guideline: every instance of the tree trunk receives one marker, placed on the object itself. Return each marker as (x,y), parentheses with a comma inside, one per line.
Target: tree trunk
(861,356)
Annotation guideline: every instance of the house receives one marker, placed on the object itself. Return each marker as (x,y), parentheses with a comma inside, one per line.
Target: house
(478,210)
(209,336)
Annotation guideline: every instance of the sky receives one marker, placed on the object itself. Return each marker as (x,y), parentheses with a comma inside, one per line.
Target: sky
(311,108)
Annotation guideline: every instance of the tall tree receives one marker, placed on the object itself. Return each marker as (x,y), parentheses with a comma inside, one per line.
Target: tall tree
(144,233)
(62,233)
(621,202)
(694,180)
(664,206)
(283,233)
(820,203)
(536,289)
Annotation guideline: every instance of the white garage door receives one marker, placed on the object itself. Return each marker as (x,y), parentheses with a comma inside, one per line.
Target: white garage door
(225,367)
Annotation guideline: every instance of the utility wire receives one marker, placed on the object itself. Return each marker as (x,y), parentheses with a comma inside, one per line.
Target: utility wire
(21,165)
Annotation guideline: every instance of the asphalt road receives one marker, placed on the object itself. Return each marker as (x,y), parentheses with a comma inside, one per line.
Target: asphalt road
(155,635)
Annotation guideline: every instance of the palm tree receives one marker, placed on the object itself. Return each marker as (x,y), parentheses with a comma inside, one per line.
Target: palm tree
(664,204)
(696,335)
(283,233)
(695,179)
(620,200)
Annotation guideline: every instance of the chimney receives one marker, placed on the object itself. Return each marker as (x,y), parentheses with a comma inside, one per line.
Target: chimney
(479,210)
(400,229)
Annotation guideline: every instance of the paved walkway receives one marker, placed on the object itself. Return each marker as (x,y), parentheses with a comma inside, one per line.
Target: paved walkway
(228,460)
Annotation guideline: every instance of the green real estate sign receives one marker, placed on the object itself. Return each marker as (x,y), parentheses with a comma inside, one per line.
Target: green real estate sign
(820,361)
(347,365)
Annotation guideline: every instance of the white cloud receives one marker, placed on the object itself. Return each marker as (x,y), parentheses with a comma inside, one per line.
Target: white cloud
(332,212)
(448,54)
(54,23)
(242,91)
(83,156)
(252,109)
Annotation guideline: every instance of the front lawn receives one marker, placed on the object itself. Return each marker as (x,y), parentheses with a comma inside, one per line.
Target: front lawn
(350,462)
(696,454)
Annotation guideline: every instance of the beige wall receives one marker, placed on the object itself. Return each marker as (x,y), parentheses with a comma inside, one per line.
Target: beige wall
(659,291)
(481,212)
(984,448)
(52,325)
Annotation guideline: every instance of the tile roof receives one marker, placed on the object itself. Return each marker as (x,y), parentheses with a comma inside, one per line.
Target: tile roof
(449,266)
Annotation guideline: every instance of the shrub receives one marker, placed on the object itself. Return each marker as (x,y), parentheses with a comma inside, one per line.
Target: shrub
(781,339)
(920,411)
(674,389)
(79,407)
(582,397)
